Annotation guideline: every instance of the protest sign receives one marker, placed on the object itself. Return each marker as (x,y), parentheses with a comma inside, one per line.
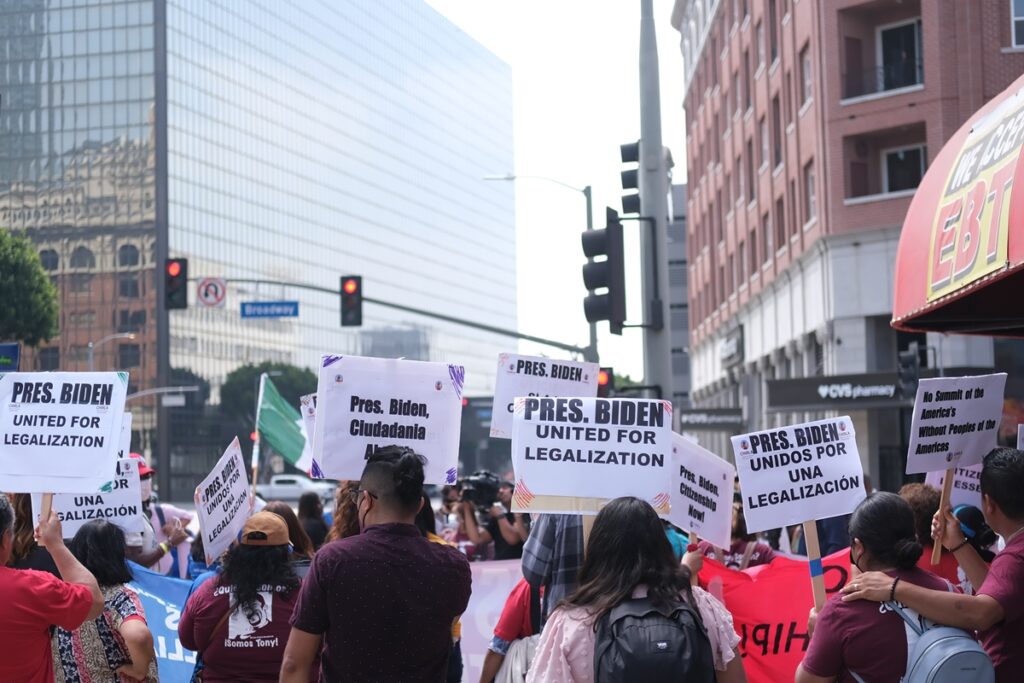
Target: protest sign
(119,502)
(966,488)
(956,421)
(366,403)
(590,450)
(124,443)
(163,599)
(798,473)
(536,376)
(307,463)
(769,606)
(702,486)
(492,584)
(222,502)
(59,431)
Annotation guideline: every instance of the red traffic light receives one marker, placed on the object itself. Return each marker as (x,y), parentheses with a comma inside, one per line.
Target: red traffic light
(603,378)
(252,436)
(350,286)
(465,402)
(174,268)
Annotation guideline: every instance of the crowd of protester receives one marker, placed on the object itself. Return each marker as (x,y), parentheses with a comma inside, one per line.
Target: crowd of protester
(375,589)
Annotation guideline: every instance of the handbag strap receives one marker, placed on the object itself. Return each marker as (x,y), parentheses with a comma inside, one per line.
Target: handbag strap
(223,618)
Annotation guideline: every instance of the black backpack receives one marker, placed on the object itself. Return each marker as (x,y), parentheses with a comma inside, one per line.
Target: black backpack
(636,641)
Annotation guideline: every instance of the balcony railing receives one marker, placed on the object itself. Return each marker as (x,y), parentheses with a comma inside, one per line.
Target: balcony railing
(881,79)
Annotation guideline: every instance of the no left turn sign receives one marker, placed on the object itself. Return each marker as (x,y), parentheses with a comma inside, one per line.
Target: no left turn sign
(211,292)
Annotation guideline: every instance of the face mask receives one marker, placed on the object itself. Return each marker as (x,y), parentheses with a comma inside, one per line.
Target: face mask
(362,518)
(147,489)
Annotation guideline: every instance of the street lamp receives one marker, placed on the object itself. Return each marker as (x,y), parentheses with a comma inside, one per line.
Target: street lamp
(101,342)
(590,353)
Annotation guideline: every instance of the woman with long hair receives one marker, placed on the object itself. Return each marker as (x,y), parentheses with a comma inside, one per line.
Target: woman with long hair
(117,646)
(346,517)
(628,557)
(25,552)
(238,621)
(302,545)
(311,515)
(850,639)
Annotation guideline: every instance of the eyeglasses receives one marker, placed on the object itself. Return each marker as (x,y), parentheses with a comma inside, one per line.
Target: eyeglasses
(355,494)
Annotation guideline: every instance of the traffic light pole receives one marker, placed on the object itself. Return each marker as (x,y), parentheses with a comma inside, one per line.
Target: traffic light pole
(429,314)
(653,199)
(590,353)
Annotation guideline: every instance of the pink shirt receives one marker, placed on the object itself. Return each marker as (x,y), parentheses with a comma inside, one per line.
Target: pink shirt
(566,648)
(1005,585)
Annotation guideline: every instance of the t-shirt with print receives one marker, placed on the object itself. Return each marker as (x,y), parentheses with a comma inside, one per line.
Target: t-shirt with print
(1004,642)
(245,647)
(865,637)
(762,554)
(92,652)
(33,601)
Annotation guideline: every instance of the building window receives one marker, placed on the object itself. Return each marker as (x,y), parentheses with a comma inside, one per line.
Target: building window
(82,319)
(81,283)
(128,286)
(128,255)
(131,321)
(759,37)
(732,274)
(780,222)
(751,193)
(788,104)
(738,174)
(777,129)
(129,356)
(737,96)
(1017,15)
(753,251)
(810,197)
(766,231)
(743,261)
(902,168)
(805,73)
(773,30)
(792,207)
(49,259)
(48,359)
(764,142)
(81,257)
(898,55)
(747,85)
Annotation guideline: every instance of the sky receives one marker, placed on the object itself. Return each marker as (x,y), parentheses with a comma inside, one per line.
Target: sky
(575,73)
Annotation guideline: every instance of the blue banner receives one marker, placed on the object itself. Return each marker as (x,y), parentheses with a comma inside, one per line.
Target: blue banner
(163,598)
(10,354)
(270,309)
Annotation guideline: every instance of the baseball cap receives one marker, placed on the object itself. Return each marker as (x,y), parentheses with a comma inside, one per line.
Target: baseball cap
(144,469)
(265,528)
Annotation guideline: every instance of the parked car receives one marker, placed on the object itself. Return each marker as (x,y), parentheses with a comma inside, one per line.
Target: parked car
(289,487)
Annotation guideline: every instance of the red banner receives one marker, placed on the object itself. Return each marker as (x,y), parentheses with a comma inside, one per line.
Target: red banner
(769,606)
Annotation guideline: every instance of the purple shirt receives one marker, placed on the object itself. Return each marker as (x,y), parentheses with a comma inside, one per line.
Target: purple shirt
(1004,642)
(385,601)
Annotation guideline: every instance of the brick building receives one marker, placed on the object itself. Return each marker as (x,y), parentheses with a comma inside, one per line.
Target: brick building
(809,125)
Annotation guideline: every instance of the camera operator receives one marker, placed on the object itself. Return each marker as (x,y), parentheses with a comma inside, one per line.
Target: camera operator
(506,529)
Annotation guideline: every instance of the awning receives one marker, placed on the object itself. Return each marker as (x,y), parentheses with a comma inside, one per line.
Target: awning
(960,262)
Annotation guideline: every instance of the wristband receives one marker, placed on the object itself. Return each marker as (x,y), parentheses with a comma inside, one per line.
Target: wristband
(165,547)
(962,544)
(892,591)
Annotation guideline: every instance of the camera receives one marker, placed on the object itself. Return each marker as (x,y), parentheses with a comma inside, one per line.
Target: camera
(480,488)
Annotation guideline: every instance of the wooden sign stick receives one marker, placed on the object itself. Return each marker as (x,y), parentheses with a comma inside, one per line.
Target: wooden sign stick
(47,505)
(814,557)
(947,488)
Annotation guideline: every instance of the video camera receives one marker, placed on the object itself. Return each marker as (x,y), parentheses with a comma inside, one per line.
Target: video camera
(480,488)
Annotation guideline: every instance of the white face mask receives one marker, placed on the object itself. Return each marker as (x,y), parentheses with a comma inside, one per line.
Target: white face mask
(147,488)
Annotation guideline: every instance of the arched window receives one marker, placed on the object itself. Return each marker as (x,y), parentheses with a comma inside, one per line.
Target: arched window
(81,257)
(50,259)
(128,255)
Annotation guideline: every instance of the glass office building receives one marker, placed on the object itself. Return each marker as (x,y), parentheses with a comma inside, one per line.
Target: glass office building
(291,141)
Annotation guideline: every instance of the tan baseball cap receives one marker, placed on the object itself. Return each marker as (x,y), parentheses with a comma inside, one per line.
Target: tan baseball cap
(265,528)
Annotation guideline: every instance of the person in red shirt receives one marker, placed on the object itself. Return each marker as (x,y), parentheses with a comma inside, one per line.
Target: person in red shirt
(996,611)
(517,621)
(34,601)
(924,501)
(857,637)
(239,620)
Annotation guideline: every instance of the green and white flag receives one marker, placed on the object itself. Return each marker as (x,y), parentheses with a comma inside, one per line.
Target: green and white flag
(280,425)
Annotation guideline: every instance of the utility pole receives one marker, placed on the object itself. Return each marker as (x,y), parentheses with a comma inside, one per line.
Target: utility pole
(654,200)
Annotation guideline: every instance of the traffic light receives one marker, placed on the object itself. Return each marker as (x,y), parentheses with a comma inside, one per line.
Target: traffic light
(351,300)
(176,283)
(630,154)
(605,382)
(608,274)
(908,371)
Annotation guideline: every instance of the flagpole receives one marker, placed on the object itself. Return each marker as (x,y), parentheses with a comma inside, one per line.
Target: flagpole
(256,431)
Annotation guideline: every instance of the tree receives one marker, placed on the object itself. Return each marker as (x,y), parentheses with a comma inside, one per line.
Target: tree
(238,393)
(28,300)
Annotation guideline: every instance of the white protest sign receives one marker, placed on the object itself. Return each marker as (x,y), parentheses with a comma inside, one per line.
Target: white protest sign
(536,376)
(124,443)
(591,449)
(366,403)
(966,485)
(799,473)
(60,431)
(119,502)
(307,423)
(222,501)
(702,486)
(956,421)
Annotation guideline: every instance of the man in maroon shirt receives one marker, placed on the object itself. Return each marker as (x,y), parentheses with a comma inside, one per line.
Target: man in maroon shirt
(382,603)
(997,610)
